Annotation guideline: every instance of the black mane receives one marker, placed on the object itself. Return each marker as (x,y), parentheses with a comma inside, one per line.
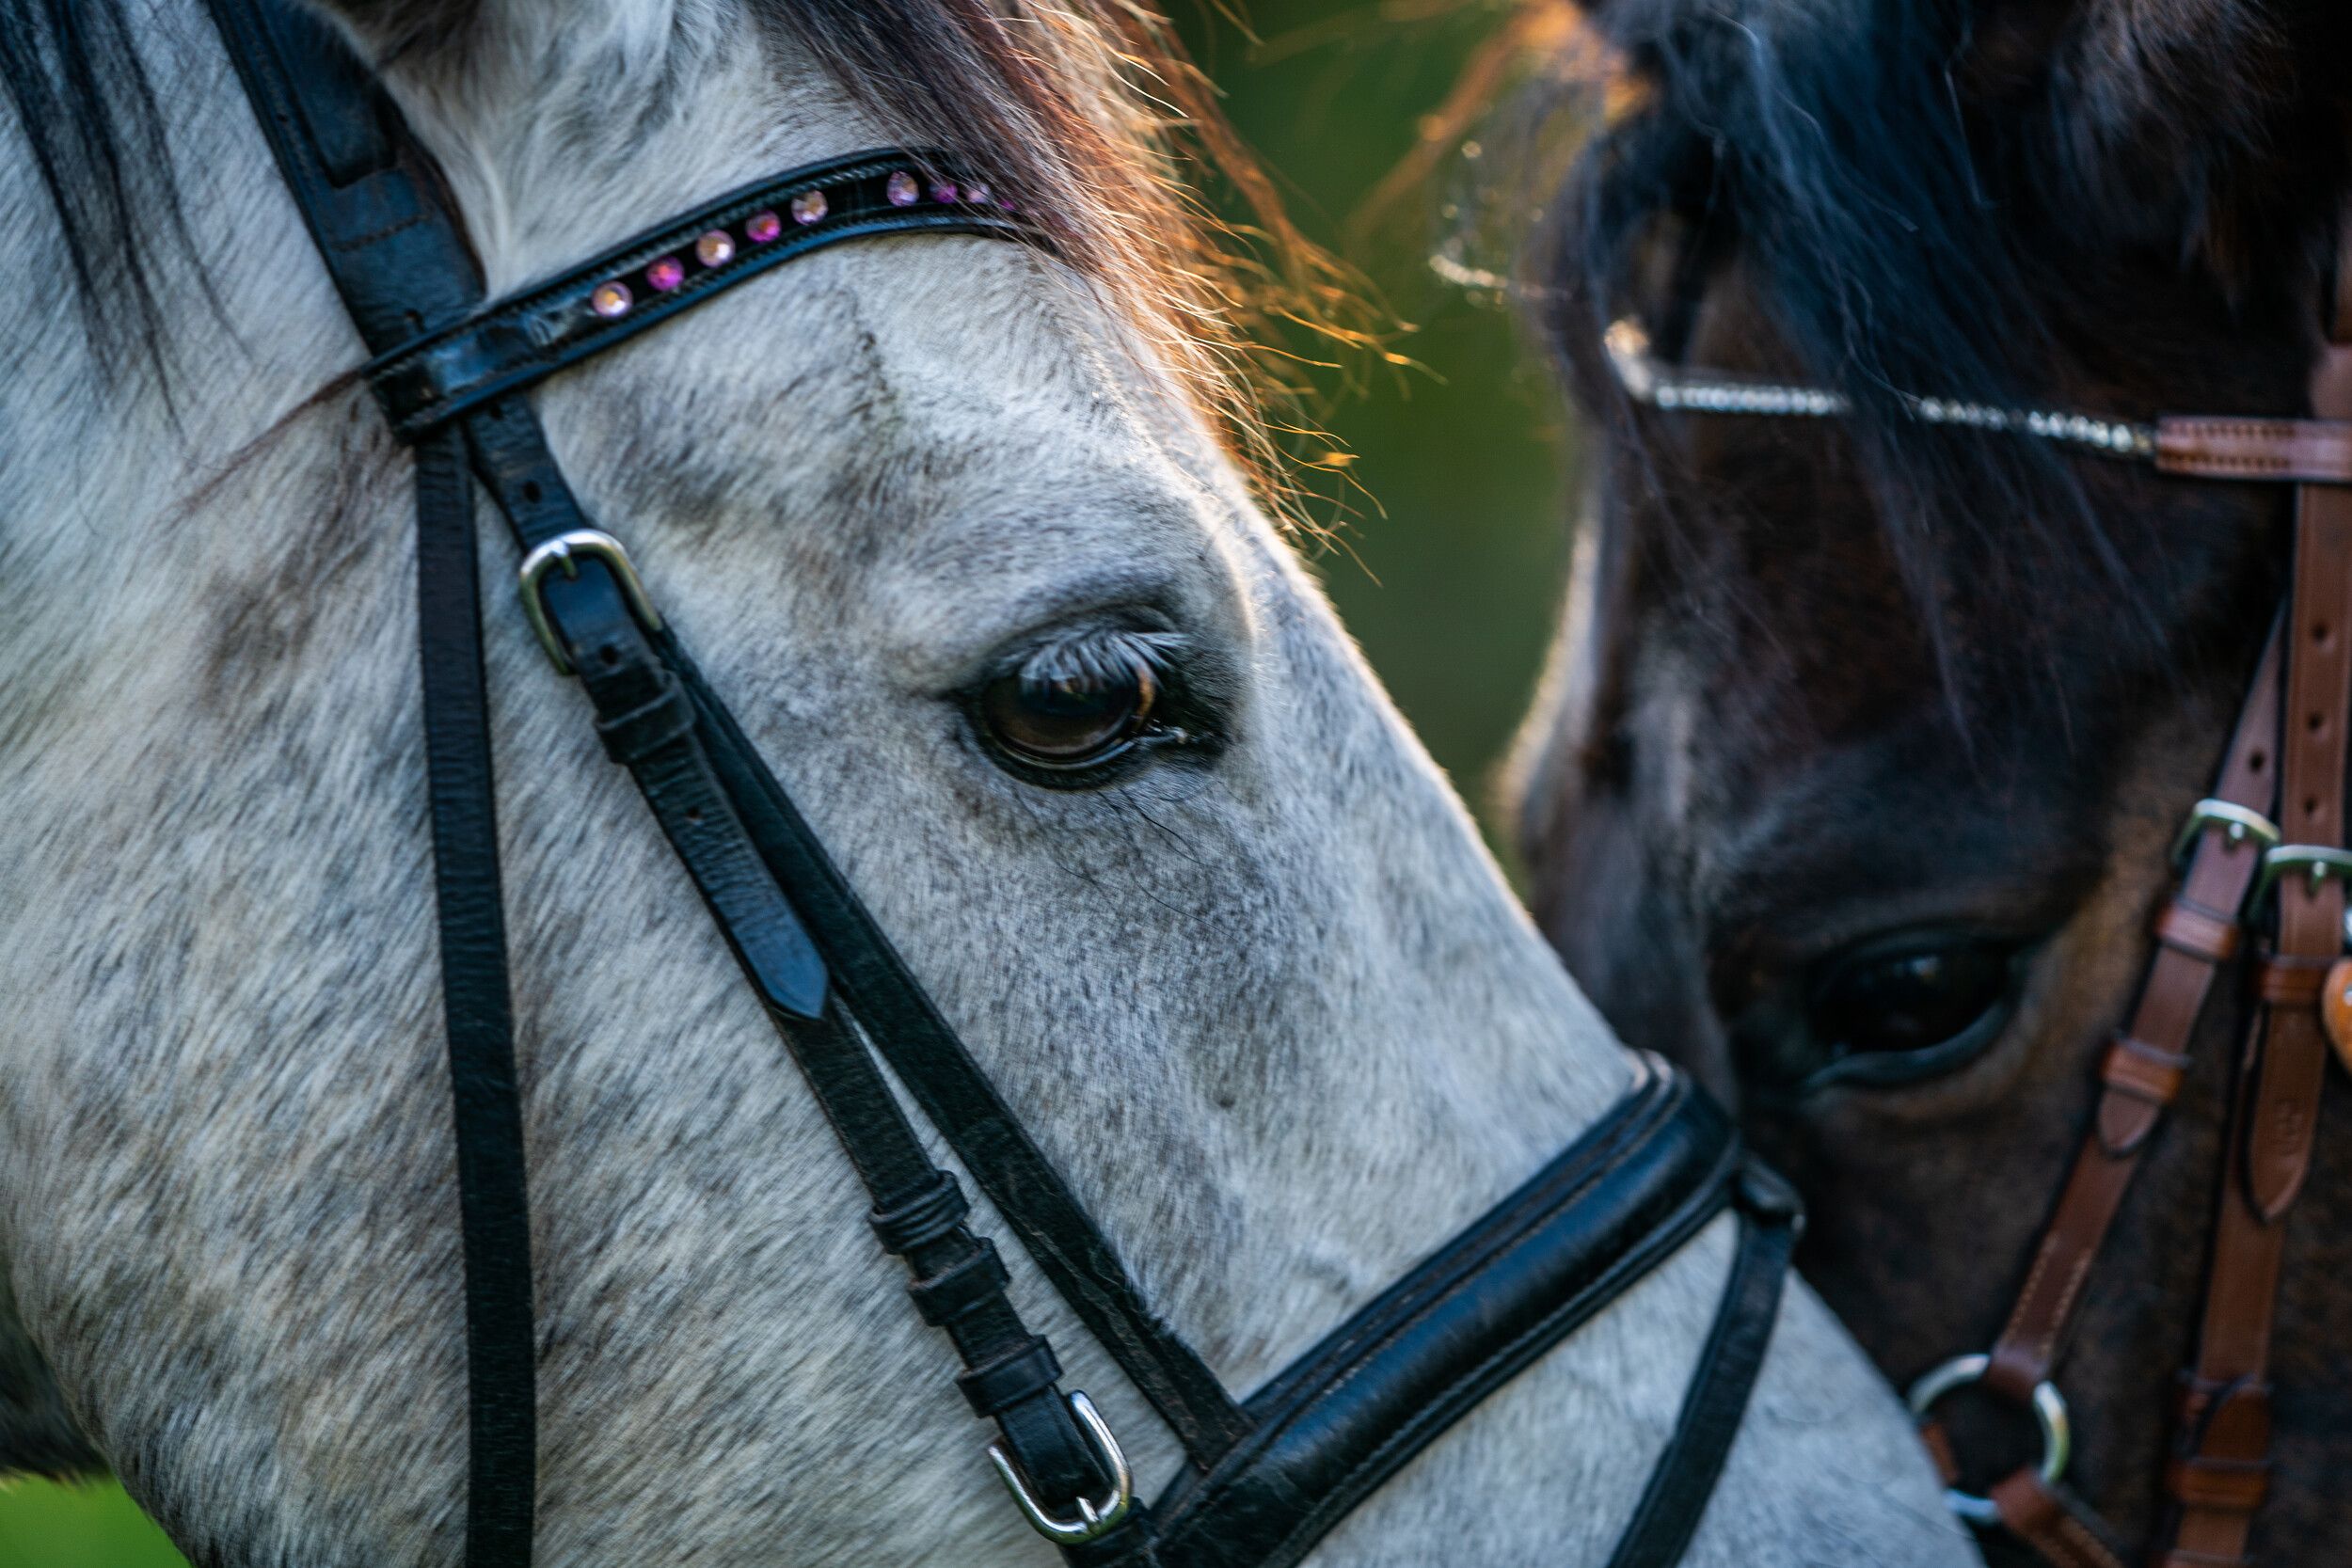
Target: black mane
(85,109)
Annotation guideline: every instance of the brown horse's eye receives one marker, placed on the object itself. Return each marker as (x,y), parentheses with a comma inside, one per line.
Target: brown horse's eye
(1073,720)
(1912,1010)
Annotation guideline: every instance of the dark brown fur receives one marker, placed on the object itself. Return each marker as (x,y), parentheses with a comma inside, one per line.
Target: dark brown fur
(1845,681)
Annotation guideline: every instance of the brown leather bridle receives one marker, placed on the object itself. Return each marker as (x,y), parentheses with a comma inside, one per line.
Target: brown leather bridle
(2273,827)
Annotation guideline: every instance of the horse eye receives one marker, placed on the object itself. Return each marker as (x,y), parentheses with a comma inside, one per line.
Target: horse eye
(1071,721)
(1907,1011)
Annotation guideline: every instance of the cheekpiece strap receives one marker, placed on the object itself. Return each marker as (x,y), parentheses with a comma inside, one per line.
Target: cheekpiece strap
(525,338)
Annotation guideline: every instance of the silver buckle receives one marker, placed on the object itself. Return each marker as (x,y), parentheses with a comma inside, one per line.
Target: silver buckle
(2049,1414)
(1093,1519)
(2317,861)
(2237,824)
(565,550)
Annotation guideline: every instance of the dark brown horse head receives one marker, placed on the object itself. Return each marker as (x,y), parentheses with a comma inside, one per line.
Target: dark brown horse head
(1855,781)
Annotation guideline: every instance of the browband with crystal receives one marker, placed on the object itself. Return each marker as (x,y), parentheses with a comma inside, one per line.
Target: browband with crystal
(524,338)
(2199,446)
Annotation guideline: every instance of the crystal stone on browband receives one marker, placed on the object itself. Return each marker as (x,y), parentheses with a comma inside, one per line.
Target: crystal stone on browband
(717,248)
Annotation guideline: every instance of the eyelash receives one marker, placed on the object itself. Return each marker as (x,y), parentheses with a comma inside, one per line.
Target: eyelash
(1102,652)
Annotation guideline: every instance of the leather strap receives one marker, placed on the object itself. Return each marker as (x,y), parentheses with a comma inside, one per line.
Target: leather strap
(2203,446)
(523,339)
(958,1097)
(2050,1523)
(494,1205)
(2141,1074)
(1336,1424)
(360,191)
(388,243)
(1771,1220)
(2222,1448)
(2143,1066)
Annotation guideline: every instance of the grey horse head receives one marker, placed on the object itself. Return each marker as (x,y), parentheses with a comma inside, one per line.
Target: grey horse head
(1262,995)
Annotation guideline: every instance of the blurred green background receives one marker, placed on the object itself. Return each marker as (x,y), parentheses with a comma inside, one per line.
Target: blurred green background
(1449,580)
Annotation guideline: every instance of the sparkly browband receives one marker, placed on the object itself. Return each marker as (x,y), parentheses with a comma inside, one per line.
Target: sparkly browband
(2196,446)
(1661,386)
(512,342)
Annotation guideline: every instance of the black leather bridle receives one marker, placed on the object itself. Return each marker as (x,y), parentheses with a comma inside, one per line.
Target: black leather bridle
(1267,1476)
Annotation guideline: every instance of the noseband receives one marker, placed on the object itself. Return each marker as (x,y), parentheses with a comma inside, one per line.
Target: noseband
(2246,866)
(1266,1476)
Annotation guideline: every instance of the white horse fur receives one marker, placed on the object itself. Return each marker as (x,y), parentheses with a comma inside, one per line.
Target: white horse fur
(1277,1017)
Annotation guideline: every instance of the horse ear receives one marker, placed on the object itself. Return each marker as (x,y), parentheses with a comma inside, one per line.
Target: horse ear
(2199,124)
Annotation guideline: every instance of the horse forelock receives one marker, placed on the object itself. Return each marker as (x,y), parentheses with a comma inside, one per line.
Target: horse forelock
(2009,205)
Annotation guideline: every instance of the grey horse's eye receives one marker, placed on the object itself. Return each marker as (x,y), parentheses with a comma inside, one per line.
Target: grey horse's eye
(1075,719)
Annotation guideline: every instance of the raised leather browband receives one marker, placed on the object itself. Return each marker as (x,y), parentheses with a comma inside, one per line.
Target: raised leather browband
(2271,834)
(1265,1480)
(525,338)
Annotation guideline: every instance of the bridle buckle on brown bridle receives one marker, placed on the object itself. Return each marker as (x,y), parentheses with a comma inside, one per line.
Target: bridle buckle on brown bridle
(1264,1478)
(2238,856)
(2238,825)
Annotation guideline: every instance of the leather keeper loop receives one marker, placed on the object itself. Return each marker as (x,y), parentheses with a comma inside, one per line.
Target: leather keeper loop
(2135,1068)
(633,737)
(1014,1376)
(2238,1411)
(2285,980)
(2187,929)
(2236,1486)
(978,1276)
(929,1215)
